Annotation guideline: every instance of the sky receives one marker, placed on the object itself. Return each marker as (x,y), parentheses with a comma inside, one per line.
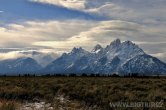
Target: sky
(56,26)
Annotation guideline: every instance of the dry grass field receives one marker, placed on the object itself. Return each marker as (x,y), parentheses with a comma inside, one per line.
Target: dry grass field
(81,93)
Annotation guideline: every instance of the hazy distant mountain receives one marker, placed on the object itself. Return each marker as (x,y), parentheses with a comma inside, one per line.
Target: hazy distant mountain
(19,66)
(118,57)
(42,57)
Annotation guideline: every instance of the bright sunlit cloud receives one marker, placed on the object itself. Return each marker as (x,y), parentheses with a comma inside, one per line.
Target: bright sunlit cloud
(76,4)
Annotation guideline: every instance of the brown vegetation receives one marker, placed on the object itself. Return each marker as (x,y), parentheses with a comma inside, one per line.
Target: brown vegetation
(89,91)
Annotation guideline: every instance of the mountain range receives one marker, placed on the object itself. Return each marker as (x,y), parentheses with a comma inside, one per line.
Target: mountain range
(116,58)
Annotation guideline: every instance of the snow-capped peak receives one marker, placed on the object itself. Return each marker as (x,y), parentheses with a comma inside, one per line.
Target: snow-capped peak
(78,51)
(124,50)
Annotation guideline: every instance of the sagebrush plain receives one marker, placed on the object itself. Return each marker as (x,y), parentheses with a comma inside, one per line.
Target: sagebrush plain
(91,92)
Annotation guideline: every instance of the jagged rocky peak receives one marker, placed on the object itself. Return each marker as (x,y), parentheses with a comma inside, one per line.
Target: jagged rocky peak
(116,42)
(129,43)
(78,50)
(97,48)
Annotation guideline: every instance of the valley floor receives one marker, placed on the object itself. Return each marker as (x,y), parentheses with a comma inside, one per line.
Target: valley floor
(79,93)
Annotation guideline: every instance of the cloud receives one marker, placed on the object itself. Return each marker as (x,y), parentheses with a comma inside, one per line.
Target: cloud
(24,35)
(1,11)
(10,55)
(106,31)
(66,3)
(161,56)
(23,10)
(43,56)
(129,10)
(102,32)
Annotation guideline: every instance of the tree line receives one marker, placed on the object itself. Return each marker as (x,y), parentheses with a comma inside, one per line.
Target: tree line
(137,75)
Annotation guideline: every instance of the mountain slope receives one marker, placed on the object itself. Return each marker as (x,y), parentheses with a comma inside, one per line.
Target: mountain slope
(144,64)
(19,66)
(118,57)
(69,63)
